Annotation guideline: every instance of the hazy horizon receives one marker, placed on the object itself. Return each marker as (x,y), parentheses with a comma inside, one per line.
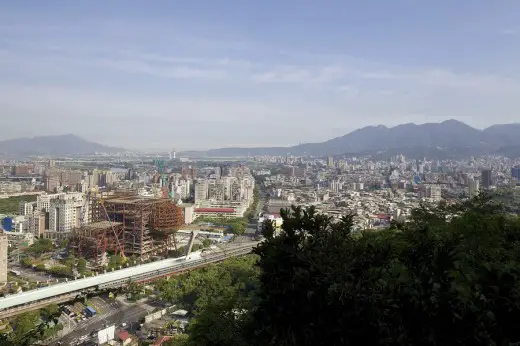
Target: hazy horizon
(184,149)
(252,74)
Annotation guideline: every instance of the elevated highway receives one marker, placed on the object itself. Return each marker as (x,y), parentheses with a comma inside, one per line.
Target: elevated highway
(37,298)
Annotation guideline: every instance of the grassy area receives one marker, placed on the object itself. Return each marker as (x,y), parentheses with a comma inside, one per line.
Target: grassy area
(11,205)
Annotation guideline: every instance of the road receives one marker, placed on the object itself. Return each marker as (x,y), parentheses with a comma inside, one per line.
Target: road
(32,275)
(125,314)
(250,231)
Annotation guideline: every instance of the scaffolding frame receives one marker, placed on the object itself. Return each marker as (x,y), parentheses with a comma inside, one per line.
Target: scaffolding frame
(148,224)
(93,240)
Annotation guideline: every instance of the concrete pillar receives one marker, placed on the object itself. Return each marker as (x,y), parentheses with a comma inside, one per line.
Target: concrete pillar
(190,242)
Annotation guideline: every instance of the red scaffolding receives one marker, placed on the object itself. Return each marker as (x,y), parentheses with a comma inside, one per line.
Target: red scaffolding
(93,240)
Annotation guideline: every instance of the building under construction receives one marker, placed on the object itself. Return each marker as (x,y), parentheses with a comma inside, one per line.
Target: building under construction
(130,225)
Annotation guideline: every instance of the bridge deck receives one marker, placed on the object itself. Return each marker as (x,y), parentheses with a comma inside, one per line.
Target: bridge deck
(117,276)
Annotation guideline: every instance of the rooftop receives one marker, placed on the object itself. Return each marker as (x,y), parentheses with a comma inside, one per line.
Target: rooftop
(101,225)
(215,210)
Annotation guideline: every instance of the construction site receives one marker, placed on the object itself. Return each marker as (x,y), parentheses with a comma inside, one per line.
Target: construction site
(127,225)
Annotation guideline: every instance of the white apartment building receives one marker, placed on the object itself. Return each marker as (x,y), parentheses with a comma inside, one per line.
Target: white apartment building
(65,214)
(43,201)
(37,223)
(433,192)
(473,187)
(184,188)
(335,186)
(201,191)
(27,208)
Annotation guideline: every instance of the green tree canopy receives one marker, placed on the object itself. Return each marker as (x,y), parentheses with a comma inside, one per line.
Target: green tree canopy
(433,282)
(216,296)
(40,246)
(31,327)
(82,265)
(449,276)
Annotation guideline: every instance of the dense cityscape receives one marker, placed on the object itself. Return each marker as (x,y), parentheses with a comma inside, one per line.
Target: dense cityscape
(259,173)
(66,220)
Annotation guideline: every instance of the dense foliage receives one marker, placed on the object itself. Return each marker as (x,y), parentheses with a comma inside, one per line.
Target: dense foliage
(510,198)
(451,276)
(30,327)
(40,246)
(216,296)
(235,226)
(433,282)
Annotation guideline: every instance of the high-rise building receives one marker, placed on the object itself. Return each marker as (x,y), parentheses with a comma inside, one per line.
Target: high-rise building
(473,187)
(335,186)
(27,208)
(432,191)
(218,172)
(201,191)
(330,161)
(65,214)
(486,179)
(3,257)
(515,172)
(43,201)
(37,223)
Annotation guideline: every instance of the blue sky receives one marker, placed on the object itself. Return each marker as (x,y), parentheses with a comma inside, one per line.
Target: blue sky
(206,74)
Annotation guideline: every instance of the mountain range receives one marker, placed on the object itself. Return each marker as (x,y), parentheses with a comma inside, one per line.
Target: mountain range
(448,139)
(61,145)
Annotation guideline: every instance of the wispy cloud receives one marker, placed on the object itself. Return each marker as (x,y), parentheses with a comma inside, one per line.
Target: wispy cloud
(304,75)
(158,85)
(509,31)
(176,71)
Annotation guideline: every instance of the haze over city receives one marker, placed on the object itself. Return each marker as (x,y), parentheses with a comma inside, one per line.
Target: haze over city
(238,172)
(204,74)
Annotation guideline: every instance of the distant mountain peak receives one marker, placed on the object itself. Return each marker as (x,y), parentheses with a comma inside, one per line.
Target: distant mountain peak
(453,136)
(66,144)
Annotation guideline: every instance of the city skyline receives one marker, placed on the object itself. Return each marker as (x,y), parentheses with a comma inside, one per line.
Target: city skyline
(123,73)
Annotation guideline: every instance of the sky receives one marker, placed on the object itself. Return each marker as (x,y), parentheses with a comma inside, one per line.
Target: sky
(208,74)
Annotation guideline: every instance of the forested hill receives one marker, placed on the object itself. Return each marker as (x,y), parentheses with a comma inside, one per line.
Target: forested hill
(429,282)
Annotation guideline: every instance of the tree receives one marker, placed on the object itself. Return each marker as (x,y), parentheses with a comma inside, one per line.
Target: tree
(64,243)
(28,328)
(215,296)
(40,246)
(448,277)
(26,261)
(82,265)
(206,243)
(178,340)
(115,261)
(49,311)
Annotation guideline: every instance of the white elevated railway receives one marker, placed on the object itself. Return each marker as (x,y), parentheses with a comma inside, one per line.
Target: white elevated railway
(24,301)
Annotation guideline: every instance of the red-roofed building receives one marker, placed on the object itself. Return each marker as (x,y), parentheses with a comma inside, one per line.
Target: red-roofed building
(215,210)
(124,337)
(383,216)
(229,213)
(161,340)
